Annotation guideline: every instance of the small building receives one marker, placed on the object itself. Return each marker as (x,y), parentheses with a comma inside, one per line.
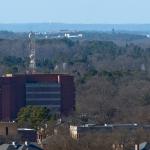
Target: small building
(8,129)
(26,134)
(10,132)
(80,131)
(77,131)
(41,135)
(117,146)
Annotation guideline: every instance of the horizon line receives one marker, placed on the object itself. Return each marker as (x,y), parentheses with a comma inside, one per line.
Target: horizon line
(20,23)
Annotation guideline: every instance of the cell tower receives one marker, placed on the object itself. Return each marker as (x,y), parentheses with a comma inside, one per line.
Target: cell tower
(32,64)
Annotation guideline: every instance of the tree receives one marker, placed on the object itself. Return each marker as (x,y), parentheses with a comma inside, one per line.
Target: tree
(32,116)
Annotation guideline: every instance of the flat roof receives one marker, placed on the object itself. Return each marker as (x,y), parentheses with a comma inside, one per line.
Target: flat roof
(7,122)
(36,74)
(25,129)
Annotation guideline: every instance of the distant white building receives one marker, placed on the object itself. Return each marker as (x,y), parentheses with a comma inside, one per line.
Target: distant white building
(67,35)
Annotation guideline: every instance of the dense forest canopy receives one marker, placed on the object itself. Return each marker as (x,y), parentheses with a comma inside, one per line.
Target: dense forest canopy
(112,81)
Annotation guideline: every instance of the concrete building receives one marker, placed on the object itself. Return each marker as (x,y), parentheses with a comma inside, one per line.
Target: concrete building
(55,91)
(78,131)
(8,129)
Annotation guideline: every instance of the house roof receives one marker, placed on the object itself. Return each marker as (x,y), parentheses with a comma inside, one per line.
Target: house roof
(30,146)
(145,146)
(7,147)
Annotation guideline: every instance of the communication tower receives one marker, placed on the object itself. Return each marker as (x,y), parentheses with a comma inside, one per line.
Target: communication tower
(32,64)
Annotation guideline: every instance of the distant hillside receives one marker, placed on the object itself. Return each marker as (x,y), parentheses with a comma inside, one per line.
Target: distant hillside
(48,27)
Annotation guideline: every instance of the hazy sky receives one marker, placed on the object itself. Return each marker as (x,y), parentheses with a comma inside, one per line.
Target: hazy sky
(75,11)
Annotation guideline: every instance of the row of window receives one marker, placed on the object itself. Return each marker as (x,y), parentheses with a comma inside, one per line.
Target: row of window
(44,92)
(42,85)
(43,99)
(41,89)
(55,103)
(43,95)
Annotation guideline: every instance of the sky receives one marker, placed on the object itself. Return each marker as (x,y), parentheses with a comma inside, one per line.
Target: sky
(75,11)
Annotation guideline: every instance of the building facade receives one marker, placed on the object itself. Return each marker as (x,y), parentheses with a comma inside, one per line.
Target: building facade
(79,131)
(55,91)
(8,129)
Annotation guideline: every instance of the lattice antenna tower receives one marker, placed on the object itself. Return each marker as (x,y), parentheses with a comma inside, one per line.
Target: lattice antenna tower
(32,64)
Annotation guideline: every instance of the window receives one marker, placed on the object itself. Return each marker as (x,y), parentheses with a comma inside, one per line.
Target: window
(6,131)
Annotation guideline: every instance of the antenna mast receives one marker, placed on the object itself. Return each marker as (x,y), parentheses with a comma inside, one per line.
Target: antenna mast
(32,64)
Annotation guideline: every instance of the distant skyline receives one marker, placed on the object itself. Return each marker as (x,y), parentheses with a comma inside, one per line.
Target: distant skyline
(75,11)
